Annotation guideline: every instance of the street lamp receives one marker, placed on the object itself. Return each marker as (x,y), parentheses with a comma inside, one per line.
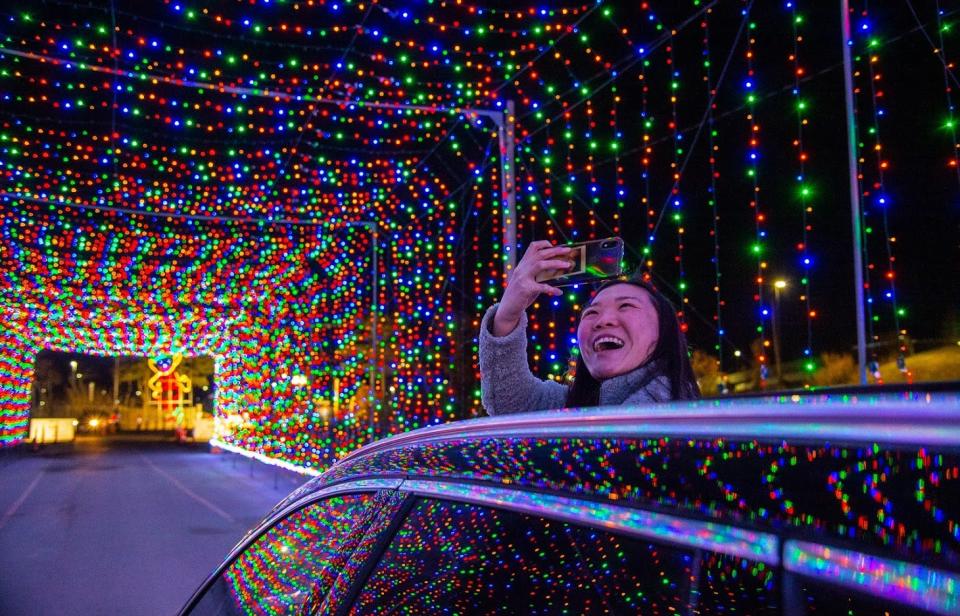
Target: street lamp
(778,286)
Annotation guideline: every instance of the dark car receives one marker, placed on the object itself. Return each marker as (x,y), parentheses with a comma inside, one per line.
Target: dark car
(97,422)
(819,504)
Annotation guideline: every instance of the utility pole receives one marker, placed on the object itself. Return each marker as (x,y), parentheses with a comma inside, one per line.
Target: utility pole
(778,286)
(116,383)
(505,129)
(854,191)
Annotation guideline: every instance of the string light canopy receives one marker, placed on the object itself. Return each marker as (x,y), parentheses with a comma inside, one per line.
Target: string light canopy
(206,178)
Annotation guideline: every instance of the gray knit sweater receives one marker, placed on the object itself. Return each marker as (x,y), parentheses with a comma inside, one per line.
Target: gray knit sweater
(508,386)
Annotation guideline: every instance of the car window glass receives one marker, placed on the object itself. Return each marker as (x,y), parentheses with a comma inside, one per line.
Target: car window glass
(827,599)
(463,558)
(293,565)
(724,584)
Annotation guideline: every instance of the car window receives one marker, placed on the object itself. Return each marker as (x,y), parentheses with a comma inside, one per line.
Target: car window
(463,558)
(293,565)
(822,598)
(725,584)
(454,557)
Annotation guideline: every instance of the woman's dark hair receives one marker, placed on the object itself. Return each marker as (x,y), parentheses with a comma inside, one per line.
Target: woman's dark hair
(670,353)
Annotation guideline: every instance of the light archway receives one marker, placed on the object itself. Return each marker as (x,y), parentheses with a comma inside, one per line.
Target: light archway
(33,327)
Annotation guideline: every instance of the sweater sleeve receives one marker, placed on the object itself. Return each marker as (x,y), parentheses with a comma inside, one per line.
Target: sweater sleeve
(507,385)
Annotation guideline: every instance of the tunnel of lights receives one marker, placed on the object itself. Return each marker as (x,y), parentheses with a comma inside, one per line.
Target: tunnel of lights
(206,178)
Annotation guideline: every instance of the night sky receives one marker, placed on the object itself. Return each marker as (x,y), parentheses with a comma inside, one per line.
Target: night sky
(920,189)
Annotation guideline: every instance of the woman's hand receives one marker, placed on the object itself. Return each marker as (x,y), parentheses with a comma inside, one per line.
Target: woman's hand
(541,260)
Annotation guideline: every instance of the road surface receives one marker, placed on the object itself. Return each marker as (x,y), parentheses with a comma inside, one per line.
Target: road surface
(123,525)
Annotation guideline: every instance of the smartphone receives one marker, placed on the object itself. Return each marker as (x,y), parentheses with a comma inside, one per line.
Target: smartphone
(593,260)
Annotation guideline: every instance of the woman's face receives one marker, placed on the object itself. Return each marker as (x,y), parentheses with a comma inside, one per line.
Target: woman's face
(618,331)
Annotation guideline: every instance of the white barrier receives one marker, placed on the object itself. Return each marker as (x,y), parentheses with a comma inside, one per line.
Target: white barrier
(52,429)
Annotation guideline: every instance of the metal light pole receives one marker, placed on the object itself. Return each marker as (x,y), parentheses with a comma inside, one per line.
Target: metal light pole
(854,191)
(116,383)
(505,127)
(374,309)
(778,286)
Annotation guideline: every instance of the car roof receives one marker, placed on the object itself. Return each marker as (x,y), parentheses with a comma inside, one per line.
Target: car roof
(895,420)
(464,450)
(903,419)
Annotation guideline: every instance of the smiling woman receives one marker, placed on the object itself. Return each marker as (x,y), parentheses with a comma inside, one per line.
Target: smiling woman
(618,330)
(632,350)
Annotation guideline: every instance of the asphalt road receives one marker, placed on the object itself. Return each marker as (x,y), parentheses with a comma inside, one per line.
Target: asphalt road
(119,525)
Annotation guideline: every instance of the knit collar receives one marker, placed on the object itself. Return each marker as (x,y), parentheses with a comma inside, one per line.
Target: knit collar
(617,389)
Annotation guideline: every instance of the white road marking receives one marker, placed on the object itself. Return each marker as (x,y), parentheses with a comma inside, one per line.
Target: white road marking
(16,505)
(217,510)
